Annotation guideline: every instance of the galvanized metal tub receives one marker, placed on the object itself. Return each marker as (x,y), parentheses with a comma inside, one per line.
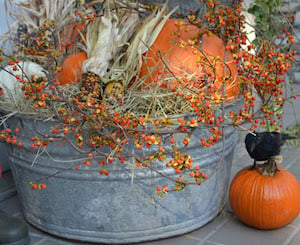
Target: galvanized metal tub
(120,208)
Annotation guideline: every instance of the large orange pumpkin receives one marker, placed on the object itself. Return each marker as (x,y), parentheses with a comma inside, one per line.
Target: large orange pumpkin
(265,202)
(71,69)
(195,64)
(70,34)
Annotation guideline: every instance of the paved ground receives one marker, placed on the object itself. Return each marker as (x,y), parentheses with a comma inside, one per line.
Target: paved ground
(225,229)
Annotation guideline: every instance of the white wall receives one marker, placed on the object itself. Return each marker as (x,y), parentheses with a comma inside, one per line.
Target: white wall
(4,18)
(3,29)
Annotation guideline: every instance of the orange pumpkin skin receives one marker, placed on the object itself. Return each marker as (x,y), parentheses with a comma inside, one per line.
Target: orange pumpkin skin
(71,69)
(184,61)
(265,202)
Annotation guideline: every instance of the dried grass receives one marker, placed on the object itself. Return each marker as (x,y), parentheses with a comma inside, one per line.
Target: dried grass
(152,99)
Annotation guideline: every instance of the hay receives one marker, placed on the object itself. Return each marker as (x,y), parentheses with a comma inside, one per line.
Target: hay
(152,99)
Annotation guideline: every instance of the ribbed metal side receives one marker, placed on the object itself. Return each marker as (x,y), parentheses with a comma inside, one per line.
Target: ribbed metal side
(122,207)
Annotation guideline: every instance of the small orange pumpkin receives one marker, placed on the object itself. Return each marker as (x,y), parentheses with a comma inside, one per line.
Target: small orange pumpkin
(191,63)
(265,202)
(71,69)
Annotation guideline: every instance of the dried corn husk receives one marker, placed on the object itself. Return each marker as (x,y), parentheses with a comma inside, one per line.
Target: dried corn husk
(34,12)
(143,40)
(106,36)
(109,34)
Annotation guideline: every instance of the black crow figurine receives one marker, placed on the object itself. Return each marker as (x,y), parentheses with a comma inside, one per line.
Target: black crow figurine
(261,146)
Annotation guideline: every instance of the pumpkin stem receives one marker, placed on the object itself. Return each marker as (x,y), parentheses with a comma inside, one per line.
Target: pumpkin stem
(269,168)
